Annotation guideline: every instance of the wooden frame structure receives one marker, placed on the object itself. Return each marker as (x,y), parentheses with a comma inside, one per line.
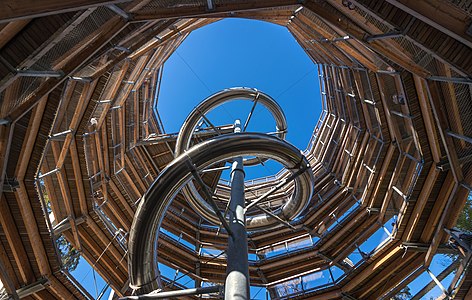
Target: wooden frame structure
(80,143)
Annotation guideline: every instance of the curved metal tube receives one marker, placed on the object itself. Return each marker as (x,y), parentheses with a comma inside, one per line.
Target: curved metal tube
(224,96)
(142,245)
(185,134)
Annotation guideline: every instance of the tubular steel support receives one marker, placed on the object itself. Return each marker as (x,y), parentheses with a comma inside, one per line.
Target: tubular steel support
(178,293)
(237,271)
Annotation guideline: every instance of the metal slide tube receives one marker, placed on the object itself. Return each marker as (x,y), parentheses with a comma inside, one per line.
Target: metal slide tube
(190,192)
(143,240)
(237,270)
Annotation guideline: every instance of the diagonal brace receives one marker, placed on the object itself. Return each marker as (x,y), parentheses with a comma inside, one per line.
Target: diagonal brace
(208,195)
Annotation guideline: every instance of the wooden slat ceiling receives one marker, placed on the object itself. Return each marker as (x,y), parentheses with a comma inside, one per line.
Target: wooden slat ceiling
(77,85)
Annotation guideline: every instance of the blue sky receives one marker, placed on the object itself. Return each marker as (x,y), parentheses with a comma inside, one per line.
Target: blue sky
(237,52)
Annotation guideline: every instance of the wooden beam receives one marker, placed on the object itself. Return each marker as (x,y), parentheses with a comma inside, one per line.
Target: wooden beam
(382,280)
(79,180)
(118,213)
(380,182)
(439,232)
(427,114)
(421,203)
(106,240)
(6,137)
(122,199)
(441,119)
(15,242)
(203,12)
(137,177)
(21,9)
(7,275)
(10,30)
(63,181)
(59,289)
(30,139)
(34,236)
(375,265)
(84,99)
(111,89)
(443,16)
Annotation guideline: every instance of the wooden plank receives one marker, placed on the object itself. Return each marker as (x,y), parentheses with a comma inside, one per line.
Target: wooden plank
(20,9)
(132,184)
(439,203)
(113,87)
(15,243)
(330,52)
(393,128)
(439,232)
(84,99)
(435,98)
(106,151)
(53,40)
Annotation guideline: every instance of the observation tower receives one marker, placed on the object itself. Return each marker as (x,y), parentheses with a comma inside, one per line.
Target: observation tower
(377,206)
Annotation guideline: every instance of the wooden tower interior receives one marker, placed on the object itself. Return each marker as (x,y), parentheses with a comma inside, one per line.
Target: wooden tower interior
(80,145)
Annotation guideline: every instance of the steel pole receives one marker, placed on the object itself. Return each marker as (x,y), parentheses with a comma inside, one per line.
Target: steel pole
(237,278)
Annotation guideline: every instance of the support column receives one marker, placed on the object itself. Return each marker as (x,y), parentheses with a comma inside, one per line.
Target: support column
(237,278)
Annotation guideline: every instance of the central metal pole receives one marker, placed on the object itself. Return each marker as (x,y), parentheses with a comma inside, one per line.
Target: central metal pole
(237,278)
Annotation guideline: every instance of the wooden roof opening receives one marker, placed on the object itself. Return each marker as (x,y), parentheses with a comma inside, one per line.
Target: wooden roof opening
(80,145)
